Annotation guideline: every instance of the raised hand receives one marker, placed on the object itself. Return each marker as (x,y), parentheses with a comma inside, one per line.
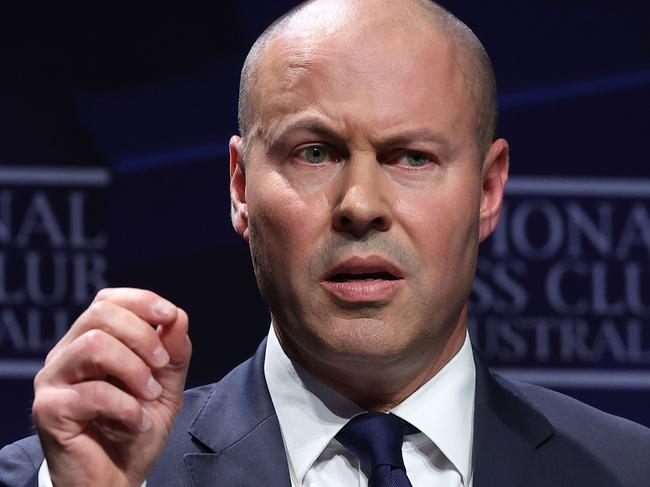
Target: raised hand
(107,396)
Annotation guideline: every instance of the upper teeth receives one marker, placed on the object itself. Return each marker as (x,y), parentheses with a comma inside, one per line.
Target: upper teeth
(363,276)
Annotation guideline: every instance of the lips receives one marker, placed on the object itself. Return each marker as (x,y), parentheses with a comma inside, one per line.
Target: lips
(363,276)
(363,279)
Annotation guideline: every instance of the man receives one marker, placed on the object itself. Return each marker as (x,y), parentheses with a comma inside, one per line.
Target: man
(364,179)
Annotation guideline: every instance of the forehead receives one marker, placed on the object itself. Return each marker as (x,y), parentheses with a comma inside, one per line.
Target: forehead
(386,71)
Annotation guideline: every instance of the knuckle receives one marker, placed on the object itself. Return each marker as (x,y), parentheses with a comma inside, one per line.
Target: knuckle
(98,309)
(44,407)
(91,343)
(37,410)
(102,294)
(39,379)
(96,394)
(124,407)
(49,357)
(147,295)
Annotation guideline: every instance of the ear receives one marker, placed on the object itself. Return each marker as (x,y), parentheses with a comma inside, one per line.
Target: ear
(494,176)
(238,206)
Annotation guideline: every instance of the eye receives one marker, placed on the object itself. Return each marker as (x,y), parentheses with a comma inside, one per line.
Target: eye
(314,154)
(416,159)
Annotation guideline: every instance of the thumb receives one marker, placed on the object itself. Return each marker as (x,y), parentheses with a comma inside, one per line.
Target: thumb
(177,343)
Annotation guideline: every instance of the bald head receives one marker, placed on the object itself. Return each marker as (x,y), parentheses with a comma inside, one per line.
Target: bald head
(365,17)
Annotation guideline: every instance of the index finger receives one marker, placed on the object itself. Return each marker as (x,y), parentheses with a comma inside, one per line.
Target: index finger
(146,304)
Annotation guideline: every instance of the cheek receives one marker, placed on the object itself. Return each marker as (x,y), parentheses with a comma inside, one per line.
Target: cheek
(443,228)
(288,222)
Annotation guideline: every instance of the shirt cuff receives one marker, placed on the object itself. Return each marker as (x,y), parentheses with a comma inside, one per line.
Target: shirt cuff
(44,479)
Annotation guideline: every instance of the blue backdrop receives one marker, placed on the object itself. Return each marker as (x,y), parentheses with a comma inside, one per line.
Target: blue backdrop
(113,170)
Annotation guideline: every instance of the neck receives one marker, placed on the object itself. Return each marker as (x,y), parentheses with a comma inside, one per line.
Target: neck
(380,385)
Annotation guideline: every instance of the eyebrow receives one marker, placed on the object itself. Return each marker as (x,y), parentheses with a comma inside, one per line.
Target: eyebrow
(410,136)
(443,146)
(320,128)
(311,125)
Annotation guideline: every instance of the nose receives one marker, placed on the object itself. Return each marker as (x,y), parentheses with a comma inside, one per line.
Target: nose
(363,200)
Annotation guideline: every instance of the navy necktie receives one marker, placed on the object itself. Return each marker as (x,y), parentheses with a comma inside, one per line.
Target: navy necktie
(376,439)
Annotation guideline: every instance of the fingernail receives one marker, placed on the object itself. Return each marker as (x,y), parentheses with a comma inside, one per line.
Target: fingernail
(145,423)
(164,308)
(160,356)
(153,388)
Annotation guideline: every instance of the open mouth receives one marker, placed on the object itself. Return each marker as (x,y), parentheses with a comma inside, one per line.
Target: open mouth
(363,280)
(364,276)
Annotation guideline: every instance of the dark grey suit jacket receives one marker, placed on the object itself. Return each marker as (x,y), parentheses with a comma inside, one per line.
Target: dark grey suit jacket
(227,434)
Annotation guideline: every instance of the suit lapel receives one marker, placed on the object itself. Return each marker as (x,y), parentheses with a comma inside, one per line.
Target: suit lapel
(239,431)
(257,459)
(508,435)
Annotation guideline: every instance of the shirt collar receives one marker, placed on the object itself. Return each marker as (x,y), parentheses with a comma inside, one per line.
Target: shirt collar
(443,409)
(311,413)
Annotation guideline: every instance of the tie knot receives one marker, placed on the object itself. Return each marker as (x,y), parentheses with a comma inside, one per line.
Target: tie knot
(375,438)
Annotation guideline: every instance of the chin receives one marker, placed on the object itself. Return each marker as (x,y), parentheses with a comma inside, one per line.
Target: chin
(365,340)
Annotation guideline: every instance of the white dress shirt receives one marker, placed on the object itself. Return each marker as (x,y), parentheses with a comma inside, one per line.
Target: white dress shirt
(311,414)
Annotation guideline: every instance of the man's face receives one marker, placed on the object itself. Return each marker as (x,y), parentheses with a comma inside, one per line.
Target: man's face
(361,192)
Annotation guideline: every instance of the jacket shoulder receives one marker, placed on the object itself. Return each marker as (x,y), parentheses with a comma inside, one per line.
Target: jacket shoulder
(20,461)
(587,438)
(576,419)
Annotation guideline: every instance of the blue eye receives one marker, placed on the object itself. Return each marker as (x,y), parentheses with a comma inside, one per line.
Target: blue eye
(416,159)
(314,154)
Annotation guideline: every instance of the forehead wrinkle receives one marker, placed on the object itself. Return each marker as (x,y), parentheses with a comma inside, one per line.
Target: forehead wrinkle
(291,60)
(319,34)
(363,18)
(297,56)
